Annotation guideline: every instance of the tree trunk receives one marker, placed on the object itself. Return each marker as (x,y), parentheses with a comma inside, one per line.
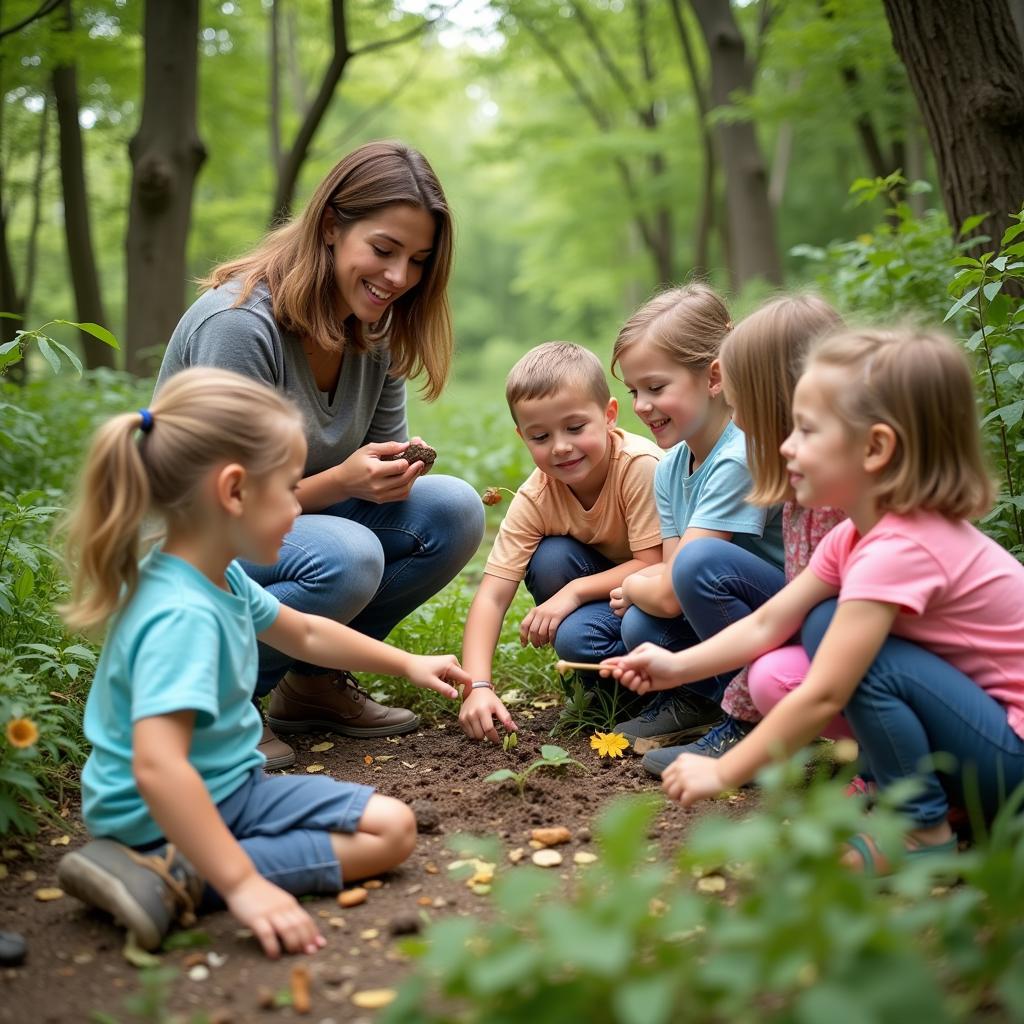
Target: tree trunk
(753,243)
(964,63)
(166,156)
(85,276)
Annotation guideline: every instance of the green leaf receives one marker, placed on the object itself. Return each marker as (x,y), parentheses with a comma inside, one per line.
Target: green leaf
(550,752)
(1011,415)
(71,357)
(24,586)
(505,969)
(48,354)
(972,222)
(960,303)
(12,316)
(191,939)
(95,330)
(645,1000)
(501,775)
(991,290)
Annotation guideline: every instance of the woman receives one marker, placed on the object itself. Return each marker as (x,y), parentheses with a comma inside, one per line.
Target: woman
(336,309)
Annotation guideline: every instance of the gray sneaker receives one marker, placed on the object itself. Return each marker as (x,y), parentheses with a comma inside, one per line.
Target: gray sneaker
(714,743)
(670,716)
(145,893)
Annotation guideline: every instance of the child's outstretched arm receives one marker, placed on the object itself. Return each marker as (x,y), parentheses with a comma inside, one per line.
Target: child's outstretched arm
(853,640)
(480,707)
(180,804)
(324,642)
(651,590)
(542,622)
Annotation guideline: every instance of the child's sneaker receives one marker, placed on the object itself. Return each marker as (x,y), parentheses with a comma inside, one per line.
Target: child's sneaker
(714,743)
(145,893)
(670,716)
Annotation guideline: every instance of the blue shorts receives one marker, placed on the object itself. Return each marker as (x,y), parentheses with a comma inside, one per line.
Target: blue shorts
(283,822)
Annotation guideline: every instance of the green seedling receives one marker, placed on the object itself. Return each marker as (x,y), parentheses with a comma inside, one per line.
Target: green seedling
(510,742)
(550,757)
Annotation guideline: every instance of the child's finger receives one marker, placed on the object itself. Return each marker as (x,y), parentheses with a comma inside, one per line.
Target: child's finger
(457,674)
(506,722)
(267,937)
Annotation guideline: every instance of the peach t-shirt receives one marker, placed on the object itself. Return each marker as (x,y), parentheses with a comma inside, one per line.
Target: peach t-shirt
(960,594)
(624,518)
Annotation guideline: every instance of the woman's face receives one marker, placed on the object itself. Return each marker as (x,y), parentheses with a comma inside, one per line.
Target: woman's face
(378,259)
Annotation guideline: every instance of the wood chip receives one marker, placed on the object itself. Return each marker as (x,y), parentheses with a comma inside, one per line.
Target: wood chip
(431,869)
(373,883)
(547,858)
(551,836)
(368,933)
(314,768)
(336,922)
(425,901)
(583,857)
(319,748)
(711,883)
(351,897)
(373,998)
(516,855)
(60,841)
(368,759)
(300,989)
(52,893)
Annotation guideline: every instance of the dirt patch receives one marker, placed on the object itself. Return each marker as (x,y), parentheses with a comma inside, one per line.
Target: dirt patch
(75,964)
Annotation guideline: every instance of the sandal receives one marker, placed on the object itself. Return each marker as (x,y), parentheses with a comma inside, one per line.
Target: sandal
(875,864)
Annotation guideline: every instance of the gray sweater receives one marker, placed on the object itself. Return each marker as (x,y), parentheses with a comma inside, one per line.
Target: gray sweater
(368,405)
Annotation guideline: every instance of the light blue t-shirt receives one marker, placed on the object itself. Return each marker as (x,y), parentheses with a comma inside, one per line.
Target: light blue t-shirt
(180,644)
(714,497)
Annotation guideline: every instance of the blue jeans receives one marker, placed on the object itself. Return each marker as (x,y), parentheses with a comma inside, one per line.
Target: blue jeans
(593,631)
(369,565)
(717,583)
(911,705)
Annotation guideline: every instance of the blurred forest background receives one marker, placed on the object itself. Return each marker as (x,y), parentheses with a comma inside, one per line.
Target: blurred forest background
(592,150)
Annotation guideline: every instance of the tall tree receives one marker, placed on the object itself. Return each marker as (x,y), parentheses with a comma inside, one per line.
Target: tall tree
(166,155)
(85,277)
(964,63)
(753,243)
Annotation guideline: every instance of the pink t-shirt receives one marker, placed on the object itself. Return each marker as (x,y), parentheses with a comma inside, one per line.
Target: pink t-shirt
(960,594)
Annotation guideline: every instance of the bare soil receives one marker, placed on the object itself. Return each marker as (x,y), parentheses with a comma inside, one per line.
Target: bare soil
(76,966)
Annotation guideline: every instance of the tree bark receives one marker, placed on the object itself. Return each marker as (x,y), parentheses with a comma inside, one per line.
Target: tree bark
(166,155)
(753,242)
(85,276)
(964,63)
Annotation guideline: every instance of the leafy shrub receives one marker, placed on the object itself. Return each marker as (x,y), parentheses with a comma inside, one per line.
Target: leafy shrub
(754,921)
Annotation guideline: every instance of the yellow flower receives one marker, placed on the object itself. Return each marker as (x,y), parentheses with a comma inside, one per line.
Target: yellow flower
(22,732)
(609,744)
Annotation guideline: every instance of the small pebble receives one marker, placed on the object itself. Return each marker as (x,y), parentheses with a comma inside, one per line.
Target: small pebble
(405,924)
(373,883)
(428,820)
(351,897)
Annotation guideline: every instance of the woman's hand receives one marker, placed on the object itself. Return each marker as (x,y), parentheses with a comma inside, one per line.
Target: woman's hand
(364,474)
(647,667)
(691,777)
(437,672)
(274,916)
(478,712)
(618,601)
(541,623)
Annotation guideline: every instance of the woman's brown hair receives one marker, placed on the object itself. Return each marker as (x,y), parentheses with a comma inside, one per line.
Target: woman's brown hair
(762,359)
(297,267)
(920,384)
(202,416)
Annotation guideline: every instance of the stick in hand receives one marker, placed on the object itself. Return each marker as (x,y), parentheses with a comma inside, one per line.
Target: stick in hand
(562,667)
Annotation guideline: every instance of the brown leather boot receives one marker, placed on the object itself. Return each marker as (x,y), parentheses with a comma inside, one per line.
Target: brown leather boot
(277,752)
(333,703)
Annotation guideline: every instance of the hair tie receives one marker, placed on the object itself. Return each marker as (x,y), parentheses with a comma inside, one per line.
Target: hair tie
(147,421)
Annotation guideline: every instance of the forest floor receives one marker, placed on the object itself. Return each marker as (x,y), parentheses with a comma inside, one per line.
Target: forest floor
(77,971)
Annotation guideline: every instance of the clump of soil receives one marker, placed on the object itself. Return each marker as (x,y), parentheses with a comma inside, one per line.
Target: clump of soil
(415,453)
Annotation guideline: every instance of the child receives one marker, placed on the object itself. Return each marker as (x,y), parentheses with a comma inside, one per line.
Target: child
(174,785)
(761,360)
(668,355)
(582,522)
(925,650)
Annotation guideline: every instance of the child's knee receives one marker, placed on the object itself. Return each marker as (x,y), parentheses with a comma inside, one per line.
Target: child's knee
(397,827)
(774,674)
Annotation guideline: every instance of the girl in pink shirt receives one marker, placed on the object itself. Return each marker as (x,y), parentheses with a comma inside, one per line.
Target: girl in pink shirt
(912,618)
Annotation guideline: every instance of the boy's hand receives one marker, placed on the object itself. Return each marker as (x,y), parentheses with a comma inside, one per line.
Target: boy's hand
(437,672)
(691,777)
(478,712)
(541,623)
(274,916)
(647,667)
(618,601)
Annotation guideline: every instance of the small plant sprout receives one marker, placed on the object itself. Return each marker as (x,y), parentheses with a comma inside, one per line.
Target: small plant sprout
(510,742)
(609,744)
(492,496)
(550,757)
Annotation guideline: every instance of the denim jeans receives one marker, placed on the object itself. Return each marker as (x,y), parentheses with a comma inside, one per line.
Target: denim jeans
(717,583)
(912,705)
(369,565)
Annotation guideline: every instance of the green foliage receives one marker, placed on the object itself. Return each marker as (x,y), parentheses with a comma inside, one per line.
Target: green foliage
(590,708)
(989,305)
(550,757)
(794,937)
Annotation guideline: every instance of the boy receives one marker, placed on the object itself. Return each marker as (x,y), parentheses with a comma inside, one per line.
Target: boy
(584,520)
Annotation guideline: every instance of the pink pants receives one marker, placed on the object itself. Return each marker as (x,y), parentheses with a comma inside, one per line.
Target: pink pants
(775,674)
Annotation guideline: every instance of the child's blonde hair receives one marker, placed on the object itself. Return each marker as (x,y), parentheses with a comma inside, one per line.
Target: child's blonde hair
(687,323)
(762,359)
(920,384)
(201,417)
(554,366)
